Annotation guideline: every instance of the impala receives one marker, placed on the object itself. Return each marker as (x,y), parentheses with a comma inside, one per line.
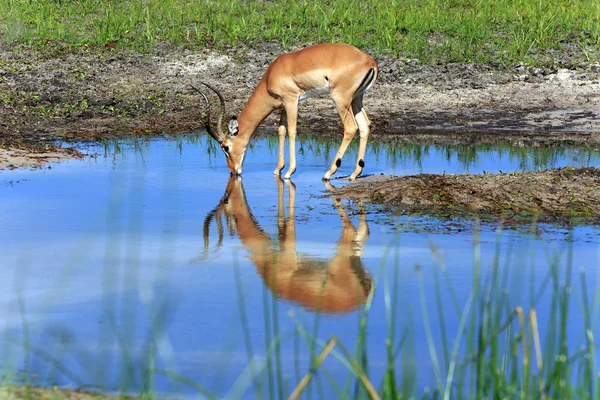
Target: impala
(335,285)
(340,69)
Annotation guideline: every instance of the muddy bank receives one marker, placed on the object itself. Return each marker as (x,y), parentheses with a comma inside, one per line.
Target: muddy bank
(11,158)
(564,195)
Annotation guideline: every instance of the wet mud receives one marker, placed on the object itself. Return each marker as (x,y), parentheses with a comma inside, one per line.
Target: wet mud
(564,195)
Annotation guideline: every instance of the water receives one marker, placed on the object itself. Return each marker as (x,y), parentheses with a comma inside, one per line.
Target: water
(148,257)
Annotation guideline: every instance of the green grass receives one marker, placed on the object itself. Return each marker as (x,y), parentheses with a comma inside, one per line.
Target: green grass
(505,31)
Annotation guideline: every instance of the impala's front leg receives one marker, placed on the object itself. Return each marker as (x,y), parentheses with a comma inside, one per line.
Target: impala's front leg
(290,235)
(281,130)
(291,111)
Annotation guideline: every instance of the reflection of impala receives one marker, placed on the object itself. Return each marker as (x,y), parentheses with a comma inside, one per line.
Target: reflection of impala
(341,70)
(337,285)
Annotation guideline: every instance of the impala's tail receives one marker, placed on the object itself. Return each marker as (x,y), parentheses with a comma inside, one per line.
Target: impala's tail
(367,81)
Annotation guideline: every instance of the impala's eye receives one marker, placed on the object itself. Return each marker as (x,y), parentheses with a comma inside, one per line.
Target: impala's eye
(225,150)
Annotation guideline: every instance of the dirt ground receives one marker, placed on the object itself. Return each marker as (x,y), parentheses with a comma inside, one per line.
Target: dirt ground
(99,93)
(564,195)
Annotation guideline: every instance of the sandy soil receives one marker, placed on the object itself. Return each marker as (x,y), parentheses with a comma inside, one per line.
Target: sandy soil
(100,93)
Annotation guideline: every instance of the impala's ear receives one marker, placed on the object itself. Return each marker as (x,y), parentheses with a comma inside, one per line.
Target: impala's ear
(233,126)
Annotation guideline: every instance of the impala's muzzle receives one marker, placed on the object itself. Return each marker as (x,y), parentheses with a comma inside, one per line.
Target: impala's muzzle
(237,169)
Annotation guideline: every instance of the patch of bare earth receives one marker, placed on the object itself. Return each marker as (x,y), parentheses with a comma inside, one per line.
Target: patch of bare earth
(557,195)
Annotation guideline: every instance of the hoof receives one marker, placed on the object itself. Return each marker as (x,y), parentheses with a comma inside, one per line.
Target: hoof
(355,175)
(289,173)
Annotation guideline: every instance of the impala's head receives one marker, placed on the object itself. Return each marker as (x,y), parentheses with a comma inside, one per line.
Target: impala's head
(234,151)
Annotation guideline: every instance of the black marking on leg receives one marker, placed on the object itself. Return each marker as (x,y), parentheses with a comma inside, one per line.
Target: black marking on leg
(338,162)
(361,163)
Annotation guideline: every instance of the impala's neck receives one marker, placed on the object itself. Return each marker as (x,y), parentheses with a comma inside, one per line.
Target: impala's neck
(259,106)
(248,230)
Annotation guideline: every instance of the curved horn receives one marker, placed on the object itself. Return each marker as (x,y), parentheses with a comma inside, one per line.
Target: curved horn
(219,136)
(222,113)
(216,214)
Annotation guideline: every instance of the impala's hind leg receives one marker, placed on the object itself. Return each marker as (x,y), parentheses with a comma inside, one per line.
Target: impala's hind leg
(344,108)
(363,122)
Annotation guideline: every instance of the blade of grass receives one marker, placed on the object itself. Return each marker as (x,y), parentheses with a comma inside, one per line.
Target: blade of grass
(247,377)
(390,300)
(537,346)
(308,339)
(591,355)
(49,359)
(588,376)
(439,303)
(452,364)
(304,382)
(526,372)
(268,341)
(185,381)
(244,318)
(361,375)
(498,331)
(428,334)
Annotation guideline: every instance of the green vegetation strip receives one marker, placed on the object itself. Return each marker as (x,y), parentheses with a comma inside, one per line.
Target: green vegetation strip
(432,31)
